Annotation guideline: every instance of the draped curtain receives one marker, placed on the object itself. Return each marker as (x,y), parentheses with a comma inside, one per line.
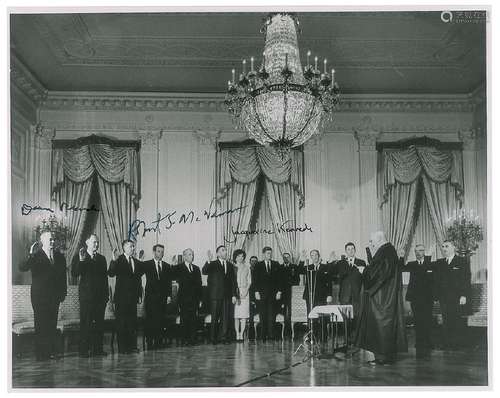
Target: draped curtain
(116,170)
(74,194)
(240,196)
(283,205)
(238,173)
(403,174)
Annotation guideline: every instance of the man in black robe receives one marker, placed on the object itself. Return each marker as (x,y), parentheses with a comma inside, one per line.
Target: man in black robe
(381,327)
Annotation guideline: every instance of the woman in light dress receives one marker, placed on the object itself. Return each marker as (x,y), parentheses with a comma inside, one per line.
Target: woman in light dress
(242,306)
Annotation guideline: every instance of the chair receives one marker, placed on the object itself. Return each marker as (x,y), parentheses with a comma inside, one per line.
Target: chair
(279,319)
(69,314)
(299,309)
(23,323)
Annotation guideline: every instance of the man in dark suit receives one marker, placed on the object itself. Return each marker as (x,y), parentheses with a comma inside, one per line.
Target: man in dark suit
(128,292)
(420,294)
(48,290)
(291,277)
(253,307)
(222,293)
(319,276)
(158,294)
(93,293)
(453,287)
(268,287)
(348,276)
(189,295)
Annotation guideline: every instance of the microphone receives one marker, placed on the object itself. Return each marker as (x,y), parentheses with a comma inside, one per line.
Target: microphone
(369,257)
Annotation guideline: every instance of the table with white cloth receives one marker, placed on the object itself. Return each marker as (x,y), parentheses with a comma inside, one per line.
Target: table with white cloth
(335,313)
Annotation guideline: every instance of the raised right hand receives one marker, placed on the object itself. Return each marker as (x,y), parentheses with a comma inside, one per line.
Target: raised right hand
(115,251)
(81,253)
(303,255)
(33,246)
(257,296)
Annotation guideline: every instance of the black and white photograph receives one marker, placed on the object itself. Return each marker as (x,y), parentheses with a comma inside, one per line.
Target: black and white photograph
(235,199)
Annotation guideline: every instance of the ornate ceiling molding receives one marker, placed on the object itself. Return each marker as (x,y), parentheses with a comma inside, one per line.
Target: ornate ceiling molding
(151,102)
(72,43)
(132,120)
(26,82)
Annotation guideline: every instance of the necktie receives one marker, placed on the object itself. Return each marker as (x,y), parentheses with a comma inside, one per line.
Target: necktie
(190,268)
(225,269)
(158,269)
(51,257)
(351,262)
(267,266)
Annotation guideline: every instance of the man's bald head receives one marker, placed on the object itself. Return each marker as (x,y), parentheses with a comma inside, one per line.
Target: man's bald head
(377,239)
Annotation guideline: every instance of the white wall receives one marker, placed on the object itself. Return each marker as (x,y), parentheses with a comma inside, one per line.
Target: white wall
(178,164)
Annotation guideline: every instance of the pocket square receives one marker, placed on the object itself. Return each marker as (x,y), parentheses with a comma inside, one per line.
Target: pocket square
(455,268)
(430,271)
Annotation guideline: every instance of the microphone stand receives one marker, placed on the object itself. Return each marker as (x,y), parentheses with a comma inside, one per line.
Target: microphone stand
(309,343)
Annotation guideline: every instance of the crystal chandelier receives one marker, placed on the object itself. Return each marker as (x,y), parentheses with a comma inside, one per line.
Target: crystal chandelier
(280,105)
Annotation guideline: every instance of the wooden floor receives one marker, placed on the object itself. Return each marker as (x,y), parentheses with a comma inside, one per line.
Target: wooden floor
(247,364)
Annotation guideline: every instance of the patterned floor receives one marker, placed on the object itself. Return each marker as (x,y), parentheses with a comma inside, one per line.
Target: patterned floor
(246,364)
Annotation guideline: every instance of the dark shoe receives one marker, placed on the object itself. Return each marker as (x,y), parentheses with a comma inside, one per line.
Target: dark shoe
(100,354)
(84,355)
(214,342)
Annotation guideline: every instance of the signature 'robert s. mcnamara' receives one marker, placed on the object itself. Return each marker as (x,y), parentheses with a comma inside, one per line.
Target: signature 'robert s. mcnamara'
(26,209)
(139,228)
(283,228)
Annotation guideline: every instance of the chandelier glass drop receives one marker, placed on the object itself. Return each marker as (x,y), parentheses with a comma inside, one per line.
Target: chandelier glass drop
(281,104)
